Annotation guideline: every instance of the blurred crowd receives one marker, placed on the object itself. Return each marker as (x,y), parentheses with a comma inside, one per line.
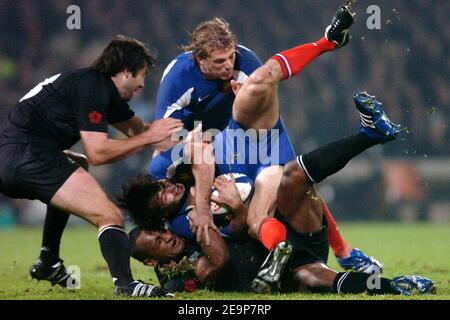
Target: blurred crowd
(405,63)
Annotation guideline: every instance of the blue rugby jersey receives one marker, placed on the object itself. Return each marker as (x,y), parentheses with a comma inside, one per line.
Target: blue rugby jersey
(234,152)
(185,94)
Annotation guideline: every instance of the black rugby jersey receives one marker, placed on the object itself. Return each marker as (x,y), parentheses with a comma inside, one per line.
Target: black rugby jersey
(237,276)
(53,113)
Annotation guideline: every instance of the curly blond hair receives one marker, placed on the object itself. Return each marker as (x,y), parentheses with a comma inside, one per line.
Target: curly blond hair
(211,35)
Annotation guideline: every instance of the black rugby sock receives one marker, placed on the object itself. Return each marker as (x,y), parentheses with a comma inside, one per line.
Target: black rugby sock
(329,159)
(359,282)
(54,225)
(116,250)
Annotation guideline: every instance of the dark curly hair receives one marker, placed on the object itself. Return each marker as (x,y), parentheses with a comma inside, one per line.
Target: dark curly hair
(124,53)
(138,198)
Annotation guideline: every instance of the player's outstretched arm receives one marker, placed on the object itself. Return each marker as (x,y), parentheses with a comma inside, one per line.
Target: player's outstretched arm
(100,149)
(132,127)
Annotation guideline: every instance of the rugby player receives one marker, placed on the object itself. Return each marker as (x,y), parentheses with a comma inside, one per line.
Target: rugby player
(51,118)
(196,87)
(182,265)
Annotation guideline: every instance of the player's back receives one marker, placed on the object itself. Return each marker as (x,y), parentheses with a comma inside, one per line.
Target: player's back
(49,115)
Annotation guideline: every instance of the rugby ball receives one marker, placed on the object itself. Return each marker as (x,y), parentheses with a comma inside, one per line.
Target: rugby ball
(245,187)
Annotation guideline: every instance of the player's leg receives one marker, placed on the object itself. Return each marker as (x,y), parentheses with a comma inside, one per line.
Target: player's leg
(318,277)
(54,225)
(348,258)
(263,205)
(375,128)
(340,247)
(309,245)
(297,201)
(82,195)
(256,105)
(299,213)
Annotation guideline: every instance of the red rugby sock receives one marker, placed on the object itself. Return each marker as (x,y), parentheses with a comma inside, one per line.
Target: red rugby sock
(292,61)
(339,246)
(271,232)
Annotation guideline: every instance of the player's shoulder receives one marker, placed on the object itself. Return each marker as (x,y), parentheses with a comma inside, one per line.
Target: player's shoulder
(243,49)
(181,68)
(247,58)
(86,77)
(245,52)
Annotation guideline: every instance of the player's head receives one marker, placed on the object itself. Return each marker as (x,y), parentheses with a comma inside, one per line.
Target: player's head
(127,61)
(214,48)
(155,246)
(150,201)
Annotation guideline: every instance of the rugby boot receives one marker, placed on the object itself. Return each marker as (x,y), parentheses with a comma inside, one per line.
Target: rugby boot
(373,120)
(55,273)
(272,268)
(140,289)
(338,30)
(409,285)
(358,261)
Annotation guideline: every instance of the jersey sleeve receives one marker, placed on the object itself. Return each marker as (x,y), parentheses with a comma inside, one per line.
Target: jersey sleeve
(164,165)
(90,100)
(175,92)
(119,111)
(180,226)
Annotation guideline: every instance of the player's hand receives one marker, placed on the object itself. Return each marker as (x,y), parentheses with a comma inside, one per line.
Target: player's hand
(162,133)
(236,86)
(200,225)
(228,193)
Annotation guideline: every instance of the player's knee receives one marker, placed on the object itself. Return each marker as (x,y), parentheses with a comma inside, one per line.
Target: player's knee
(109,215)
(261,79)
(293,174)
(314,277)
(308,280)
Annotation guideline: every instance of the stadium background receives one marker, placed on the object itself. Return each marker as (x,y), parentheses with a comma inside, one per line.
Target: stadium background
(405,64)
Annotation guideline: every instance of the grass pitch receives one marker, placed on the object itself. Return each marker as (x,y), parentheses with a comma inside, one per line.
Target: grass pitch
(421,249)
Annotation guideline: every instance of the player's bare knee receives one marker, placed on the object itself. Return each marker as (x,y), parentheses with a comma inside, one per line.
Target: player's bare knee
(109,215)
(263,78)
(315,277)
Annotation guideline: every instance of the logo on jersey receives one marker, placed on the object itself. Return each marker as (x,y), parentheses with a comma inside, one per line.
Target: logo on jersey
(95,117)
